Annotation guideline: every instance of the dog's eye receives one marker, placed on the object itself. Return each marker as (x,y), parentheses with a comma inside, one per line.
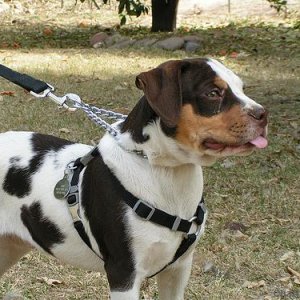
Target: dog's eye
(215,93)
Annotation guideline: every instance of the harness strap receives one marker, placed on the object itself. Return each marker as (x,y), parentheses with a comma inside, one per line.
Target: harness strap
(140,207)
(160,217)
(189,239)
(73,195)
(23,80)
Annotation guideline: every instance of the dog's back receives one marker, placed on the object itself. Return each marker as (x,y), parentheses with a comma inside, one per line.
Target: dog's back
(30,166)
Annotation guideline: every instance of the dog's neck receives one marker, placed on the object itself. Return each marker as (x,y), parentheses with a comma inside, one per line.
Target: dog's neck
(166,174)
(144,131)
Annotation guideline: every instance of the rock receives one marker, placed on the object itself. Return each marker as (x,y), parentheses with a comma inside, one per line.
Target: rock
(98,39)
(191,46)
(123,44)
(173,43)
(145,42)
(12,296)
(113,39)
(191,38)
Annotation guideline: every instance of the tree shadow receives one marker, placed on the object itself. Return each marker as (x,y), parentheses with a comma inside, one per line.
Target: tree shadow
(254,39)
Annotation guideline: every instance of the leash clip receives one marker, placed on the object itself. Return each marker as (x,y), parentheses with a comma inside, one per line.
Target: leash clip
(67,101)
(45,93)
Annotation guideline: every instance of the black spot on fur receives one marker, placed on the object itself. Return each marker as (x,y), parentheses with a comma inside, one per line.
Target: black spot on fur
(44,232)
(14,160)
(103,202)
(141,115)
(17,182)
(18,179)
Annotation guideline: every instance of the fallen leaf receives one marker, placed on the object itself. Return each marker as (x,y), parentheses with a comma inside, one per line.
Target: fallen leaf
(120,88)
(293,272)
(234,54)
(64,130)
(16,45)
(254,284)
(7,93)
(4,45)
(282,221)
(223,52)
(294,124)
(297,281)
(284,279)
(47,31)
(238,235)
(49,281)
(218,215)
(83,24)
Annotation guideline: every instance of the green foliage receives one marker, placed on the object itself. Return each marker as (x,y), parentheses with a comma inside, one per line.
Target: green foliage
(131,8)
(279,5)
(127,8)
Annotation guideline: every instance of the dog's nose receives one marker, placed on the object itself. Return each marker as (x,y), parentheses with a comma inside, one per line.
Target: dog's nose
(258,113)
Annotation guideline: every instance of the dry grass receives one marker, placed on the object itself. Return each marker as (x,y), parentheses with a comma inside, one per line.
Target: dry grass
(261,191)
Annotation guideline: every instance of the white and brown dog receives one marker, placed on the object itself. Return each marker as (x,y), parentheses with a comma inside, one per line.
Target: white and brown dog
(193,111)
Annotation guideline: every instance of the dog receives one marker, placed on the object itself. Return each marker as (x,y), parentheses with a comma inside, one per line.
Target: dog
(192,112)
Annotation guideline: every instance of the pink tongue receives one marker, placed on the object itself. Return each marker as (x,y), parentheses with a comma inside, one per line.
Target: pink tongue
(259,142)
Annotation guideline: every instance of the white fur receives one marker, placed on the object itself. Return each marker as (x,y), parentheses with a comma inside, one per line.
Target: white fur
(234,82)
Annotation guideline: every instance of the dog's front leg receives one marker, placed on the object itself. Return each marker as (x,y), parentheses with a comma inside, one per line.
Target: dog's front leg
(123,281)
(173,280)
(130,294)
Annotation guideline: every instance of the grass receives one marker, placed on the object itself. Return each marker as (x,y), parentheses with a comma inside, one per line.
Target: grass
(260,192)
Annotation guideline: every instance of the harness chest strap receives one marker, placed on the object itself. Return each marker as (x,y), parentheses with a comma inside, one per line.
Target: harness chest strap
(140,207)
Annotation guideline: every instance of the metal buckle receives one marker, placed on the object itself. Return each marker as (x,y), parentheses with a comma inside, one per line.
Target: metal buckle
(149,206)
(197,232)
(176,224)
(59,100)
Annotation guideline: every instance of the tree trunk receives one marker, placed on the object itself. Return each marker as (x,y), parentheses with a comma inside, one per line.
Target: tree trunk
(164,13)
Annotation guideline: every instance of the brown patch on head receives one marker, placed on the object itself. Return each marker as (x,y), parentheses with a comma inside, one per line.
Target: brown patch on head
(162,88)
(220,83)
(193,129)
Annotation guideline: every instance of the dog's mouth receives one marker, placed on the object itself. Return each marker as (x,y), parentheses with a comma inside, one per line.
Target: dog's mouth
(259,142)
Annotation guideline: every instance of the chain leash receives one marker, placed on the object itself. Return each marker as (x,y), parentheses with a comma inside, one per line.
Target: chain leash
(94,113)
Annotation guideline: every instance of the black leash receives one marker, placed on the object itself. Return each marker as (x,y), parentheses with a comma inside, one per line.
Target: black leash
(25,81)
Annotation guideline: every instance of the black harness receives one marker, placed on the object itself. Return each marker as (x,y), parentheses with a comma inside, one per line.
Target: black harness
(142,209)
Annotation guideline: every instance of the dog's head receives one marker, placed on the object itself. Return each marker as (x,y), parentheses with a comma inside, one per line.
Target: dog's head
(203,104)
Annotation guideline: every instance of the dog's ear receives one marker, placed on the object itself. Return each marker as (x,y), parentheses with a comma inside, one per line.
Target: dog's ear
(162,88)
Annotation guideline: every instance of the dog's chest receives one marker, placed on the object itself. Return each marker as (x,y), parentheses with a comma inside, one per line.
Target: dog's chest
(177,191)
